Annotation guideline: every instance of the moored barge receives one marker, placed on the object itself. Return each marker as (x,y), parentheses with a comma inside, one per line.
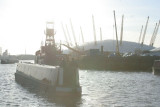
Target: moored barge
(51,72)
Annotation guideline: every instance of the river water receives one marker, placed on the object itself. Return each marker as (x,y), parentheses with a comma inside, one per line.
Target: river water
(99,89)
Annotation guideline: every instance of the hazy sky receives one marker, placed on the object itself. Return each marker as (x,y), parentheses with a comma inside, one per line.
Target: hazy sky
(22,22)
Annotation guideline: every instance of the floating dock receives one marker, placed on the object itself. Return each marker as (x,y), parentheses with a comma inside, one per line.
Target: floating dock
(50,78)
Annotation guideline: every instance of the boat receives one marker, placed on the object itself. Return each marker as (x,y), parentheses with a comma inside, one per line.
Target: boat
(52,79)
(8,59)
(101,61)
(156,67)
(52,71)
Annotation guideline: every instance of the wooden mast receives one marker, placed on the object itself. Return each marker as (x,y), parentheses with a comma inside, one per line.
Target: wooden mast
(140,35)
(69,35)
(155,34)
(65,35)
(117,45)
(73,33)
(94,31)
(100,34)
(121,35)
(82,35)
(145,31)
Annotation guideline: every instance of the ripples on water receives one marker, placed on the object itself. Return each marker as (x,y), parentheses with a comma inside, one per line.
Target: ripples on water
(99,88)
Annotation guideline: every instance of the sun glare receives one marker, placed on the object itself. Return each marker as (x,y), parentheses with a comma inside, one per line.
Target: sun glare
(22,22)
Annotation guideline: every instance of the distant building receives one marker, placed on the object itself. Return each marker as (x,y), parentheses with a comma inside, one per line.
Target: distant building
(110,46)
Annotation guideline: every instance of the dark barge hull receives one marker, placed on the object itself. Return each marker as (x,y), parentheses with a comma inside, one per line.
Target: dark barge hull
(132,63)
(41,87)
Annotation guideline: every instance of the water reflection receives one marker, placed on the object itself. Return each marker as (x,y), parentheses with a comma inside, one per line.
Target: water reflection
(67,101)
(99,89)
